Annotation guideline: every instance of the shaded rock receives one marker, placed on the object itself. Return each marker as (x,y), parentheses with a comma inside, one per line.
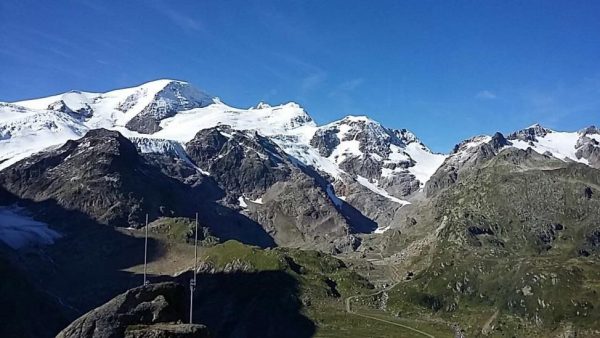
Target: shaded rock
(103,176)
(587,192)
(242,162)
(498,141)
(167,331)
(325,140)
(150,304)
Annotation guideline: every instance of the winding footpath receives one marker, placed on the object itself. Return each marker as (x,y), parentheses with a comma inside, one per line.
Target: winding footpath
(349,310)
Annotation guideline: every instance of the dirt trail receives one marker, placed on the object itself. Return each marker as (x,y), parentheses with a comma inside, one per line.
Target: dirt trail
(349,310)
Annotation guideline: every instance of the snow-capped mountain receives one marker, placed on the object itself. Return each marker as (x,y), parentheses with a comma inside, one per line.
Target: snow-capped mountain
(358,160)
(26,131)
(582,146)
(394,160)
(391,162)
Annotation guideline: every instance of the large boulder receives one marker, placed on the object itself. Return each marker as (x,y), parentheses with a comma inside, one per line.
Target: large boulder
(143,309)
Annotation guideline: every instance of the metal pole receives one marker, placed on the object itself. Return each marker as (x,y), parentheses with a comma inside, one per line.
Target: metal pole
(196,249)
(146,250)
(192,284)
(193,281)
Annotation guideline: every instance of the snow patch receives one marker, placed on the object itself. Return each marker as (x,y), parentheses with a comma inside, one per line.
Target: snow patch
(374,188)
(426,161)
(18,230)
(382,230)
(242,202)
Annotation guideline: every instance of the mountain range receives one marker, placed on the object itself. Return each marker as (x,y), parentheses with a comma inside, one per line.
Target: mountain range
(270,176)
(353,161)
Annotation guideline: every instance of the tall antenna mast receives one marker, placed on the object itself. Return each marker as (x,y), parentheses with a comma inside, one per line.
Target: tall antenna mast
(146,251)
(193,281)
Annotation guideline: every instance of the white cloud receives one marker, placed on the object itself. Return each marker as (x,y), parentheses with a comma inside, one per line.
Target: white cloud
(345,88)
(312,81)
(486,95)
(351,84)
(183,21)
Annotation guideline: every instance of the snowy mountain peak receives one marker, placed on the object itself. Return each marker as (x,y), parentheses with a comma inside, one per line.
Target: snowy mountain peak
(591,130)
(160,116)
(262,105)
(358,118)
(530,134)
(175,96)
(471,143)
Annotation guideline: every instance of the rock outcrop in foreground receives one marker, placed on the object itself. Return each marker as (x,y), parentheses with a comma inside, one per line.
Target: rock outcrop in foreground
(154,310)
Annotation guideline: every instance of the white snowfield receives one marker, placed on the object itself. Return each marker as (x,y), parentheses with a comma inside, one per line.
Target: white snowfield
(19,230)
(561,145)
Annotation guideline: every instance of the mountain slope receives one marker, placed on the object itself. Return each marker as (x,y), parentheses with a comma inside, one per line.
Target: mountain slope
(175,110)
(374,169)
(517,235)
(582,146)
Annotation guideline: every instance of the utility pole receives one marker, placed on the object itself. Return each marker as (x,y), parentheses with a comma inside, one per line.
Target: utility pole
(193,280)
(146,251)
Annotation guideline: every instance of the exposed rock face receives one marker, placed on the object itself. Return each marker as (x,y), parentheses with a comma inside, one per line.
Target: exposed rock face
(139,312)
(295,207)
(402,184)
(588,148)
(103,176)
(241,162)
(589,130)
(325,140)
(529,134)
(465,156)
(498,141)
(380,211)
(297,212)
(175,97)
(363,147)
(84,111)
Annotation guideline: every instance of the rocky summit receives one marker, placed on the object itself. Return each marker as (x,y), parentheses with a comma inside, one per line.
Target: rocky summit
(303,229)
(155,310)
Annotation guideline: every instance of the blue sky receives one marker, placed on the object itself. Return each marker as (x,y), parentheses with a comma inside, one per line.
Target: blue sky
(446,70)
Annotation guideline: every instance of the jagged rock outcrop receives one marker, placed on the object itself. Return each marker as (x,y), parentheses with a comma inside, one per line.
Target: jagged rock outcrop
(588,147)
(174,97)
(363,147)
(243,163)
(294,205)
(298,213)
(530,134)
(465,156)
(103,176)
(154,310)
(81,110)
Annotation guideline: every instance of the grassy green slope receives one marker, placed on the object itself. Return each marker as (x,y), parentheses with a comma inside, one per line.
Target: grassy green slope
(515,253)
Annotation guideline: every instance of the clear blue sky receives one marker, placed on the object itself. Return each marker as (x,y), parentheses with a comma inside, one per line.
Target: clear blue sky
(446,70)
